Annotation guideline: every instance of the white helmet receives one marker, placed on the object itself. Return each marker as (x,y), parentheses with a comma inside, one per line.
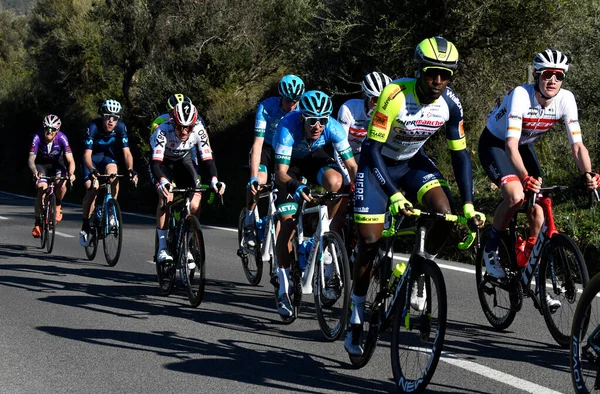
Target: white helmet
(373,84)
(550,58)
(52,121)
(185,114)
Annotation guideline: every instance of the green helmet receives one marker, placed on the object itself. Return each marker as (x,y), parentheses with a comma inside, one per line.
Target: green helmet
(436,52)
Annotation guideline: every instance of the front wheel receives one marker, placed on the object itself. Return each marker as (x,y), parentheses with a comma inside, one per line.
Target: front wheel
(419,328)
(584,341)
(332,286)
(165,272)
(562,275)
(92,248)
(49,228)
(194,246)
(113,239)
(251,256)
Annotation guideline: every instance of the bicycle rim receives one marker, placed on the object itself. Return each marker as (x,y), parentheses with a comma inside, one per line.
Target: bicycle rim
(165,272)
(494,296)
(418,337)
(51,223)
(251,256)
(585,360)
(331,305)
(562,275)
(43,234)
(113,239)
(195,278)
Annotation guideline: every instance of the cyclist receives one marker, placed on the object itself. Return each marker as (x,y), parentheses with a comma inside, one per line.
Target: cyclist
(171,102)
(354,114)
(409,111)
(268,115)
(506,150)
(101,138)
(49,149)
(171,144)
(299,142)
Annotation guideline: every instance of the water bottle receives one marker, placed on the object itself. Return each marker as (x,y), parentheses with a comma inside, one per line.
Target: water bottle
(397,273)
(99,214)
(308,249)
(260,226)
(302,254)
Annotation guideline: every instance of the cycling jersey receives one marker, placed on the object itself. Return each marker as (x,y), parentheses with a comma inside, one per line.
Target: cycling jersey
(290,140)
(354,119)
(521,116)
(401,125)
(51,152)
(101,142)
(268,115)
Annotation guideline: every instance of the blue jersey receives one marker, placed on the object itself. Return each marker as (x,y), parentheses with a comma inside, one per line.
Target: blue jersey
(268,115)
(98,141)
(290,141)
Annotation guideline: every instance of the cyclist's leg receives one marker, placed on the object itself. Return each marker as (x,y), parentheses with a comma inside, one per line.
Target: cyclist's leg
(60,189)
(162,254)
(41,187)
(89,199)
(264,169)
(110,167)
(535,216)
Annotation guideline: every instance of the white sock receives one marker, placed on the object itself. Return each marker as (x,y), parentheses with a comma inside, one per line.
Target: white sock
(162,239)
(430,256)
(358,309)
(284,286)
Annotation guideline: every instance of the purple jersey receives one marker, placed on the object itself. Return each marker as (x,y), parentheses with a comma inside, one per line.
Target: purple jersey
(51,152)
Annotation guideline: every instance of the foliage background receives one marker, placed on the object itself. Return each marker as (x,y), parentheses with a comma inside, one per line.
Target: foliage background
(67,56)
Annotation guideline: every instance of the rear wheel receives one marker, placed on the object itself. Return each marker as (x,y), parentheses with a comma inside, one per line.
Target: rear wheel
(113,239)
(418,337)
(195,278)
(251,256)
(50,223)
(562,275)
(497,297)
(332,289)
(43,225)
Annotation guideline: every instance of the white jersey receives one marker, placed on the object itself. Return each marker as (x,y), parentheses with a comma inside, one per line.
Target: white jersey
(355,121)
(166,145)
(521,116)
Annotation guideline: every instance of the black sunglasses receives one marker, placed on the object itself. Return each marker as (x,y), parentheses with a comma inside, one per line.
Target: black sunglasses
(313,120)
(111,116)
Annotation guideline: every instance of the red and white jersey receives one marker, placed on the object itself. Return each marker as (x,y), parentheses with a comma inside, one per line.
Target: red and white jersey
(521,116)
(166,145)
(355,121)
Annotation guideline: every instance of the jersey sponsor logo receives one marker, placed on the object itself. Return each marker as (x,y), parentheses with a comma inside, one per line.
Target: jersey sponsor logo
(424,122)
(573,121)
(106,142)
(361,209)
(379,177)
(380,121)
(515,117)
(575,133)
(461,129)
(454,98)
(500,114)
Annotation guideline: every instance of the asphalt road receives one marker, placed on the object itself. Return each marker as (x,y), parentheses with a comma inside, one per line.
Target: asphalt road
(69,325)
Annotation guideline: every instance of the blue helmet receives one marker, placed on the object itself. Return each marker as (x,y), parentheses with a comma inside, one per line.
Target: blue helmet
(291,87)
(112,107)
(315,103)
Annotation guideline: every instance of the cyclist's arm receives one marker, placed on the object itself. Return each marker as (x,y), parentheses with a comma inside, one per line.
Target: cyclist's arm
(33,154)
(518,103)
(87,159)
(205,153)
(31,163)
(339,137)
(260,129)
(582,157)
(70,162)
(571,120)
(284,142)
(128,158)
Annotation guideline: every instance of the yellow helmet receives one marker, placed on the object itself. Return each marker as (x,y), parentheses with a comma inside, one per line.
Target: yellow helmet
(436,52)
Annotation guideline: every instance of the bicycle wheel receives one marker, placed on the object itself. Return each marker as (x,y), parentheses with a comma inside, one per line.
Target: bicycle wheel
(562,275)
(497,298)
(418,337)
(92,248)
(332,290)
(194,244)
(165,272)
(113,238)
(251,256)
(43,225)
(50,223)
(373,311)
(584,342)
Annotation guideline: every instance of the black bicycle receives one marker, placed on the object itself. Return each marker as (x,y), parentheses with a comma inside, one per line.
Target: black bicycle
(48,213)
(417,330)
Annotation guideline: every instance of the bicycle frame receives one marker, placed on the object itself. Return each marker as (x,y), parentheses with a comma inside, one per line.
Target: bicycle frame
(107,197)
(268,249)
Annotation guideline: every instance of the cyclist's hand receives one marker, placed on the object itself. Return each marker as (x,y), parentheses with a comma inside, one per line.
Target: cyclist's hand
(71,178)
(400,205)
(302,193)
(351,187)
(592,180)
(531,184)
(219,187)
(253,185)
(471,213)
(163,187)
(36,176)
(133,177)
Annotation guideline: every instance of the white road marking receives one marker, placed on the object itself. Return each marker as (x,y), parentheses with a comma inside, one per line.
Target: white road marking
(64,235)
(3,218)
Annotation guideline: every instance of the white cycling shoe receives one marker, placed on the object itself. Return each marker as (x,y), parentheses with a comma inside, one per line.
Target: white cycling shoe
(84,238)
(163,256)
(492,264)
(190,261)
(418,294)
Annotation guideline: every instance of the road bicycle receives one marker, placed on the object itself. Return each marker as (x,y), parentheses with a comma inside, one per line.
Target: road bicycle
(107,224)
(585,340)
(48,213)
(254,257)
(417,331)
(327,272)
(184,239)
(556,264)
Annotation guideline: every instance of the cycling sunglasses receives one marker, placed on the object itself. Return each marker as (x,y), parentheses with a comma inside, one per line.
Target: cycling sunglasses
(547,74)
(313,120)
(433,72)
(111,116)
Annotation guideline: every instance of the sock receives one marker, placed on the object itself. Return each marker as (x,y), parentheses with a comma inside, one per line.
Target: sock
(430,256)
(529,245)
(494,241)
(162,239)
(358,309)
(284,285)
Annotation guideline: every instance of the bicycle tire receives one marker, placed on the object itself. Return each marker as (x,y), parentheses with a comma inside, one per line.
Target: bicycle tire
(251,262)
(414,375)
(586,322)
(50,223)
(562,264)
(495,296)
(113,238)
(195,279)
(332,313)
(43,235)
(92,248)
(373,312)
(165,272)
